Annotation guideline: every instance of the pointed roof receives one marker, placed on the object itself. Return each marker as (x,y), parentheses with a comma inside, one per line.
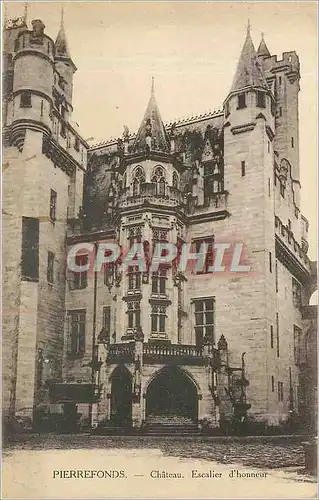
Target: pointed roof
(249,71)
(263,50)
(152,130)
(61,44)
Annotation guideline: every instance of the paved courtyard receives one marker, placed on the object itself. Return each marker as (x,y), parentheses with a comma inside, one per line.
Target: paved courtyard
(155,467)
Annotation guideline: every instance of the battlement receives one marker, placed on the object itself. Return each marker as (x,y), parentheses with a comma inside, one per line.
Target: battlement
(36,41)
(288,62)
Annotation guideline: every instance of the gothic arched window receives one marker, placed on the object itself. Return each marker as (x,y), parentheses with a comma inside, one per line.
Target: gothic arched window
(158,179)
(138,178)
(175,180)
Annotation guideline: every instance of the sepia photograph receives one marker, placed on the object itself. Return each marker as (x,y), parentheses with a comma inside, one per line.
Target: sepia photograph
(159,250)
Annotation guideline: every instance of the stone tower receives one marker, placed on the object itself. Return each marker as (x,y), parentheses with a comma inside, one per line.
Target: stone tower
(45,161)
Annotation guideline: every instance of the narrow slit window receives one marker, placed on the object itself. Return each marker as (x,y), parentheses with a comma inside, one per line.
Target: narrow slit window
(243,168)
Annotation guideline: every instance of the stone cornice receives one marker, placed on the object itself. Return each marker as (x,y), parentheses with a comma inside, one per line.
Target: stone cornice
(247,127)
(290,261)
(32,52)
(52,150)
(208,216)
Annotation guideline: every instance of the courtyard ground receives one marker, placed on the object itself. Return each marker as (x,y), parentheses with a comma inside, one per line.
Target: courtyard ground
(29,464)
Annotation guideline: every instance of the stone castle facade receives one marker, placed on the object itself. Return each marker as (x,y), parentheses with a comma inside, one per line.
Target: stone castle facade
(124,347)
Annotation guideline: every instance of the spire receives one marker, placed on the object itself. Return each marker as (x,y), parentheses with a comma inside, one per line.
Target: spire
(248,72)
(25,12)
(152,134)
(263,49)
(61,44)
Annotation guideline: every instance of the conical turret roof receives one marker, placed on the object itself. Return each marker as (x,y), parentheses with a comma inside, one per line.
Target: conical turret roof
(151,133)
(61,44)
(249,71)
(263,50)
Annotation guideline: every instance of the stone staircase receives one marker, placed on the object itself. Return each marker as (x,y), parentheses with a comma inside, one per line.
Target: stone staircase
(170,425)
(166,425)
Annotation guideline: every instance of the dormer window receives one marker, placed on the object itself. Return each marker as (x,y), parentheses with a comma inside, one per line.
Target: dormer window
(261,99)
(242,101)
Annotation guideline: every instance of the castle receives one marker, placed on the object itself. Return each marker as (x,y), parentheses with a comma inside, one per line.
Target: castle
(130,348)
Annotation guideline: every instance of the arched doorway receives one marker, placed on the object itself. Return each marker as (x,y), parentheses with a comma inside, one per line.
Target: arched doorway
(172,393)
(121,396)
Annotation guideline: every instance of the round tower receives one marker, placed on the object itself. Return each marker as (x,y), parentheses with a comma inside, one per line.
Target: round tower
(33,81)
(249,97)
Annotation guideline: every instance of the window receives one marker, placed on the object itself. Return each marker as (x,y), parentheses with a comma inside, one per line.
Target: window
(63,112)
(16,45)
(208,261)
(159,281)
(77,144)
(50,268)
(297,339)
(158,319)
(269,186)
(134,278)
(158,179)
(204,320)
(53,200)
(261,99)
(279,80)
(25,99)
(292,142)
(277,334)
(268,147)
(270,262)
(280,111)
(241,101)
(175,180)
(227,110)
(272,383)
(276,276)
(296,293)
(108,272)
(280,391)
(271,336)
(138,179)
(133,314)
(30,249)
(77,321)
(135,235)
(41,109)
(80,277)
(63,130)
(243,168)
(107,318)
(213,180)
(159,235)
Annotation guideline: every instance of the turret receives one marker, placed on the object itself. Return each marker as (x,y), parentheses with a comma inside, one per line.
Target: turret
(151,135)
(33,67)
(263,50)
(64,64)
(249,95)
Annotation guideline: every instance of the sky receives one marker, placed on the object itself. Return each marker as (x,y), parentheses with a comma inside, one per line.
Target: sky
(191,49)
